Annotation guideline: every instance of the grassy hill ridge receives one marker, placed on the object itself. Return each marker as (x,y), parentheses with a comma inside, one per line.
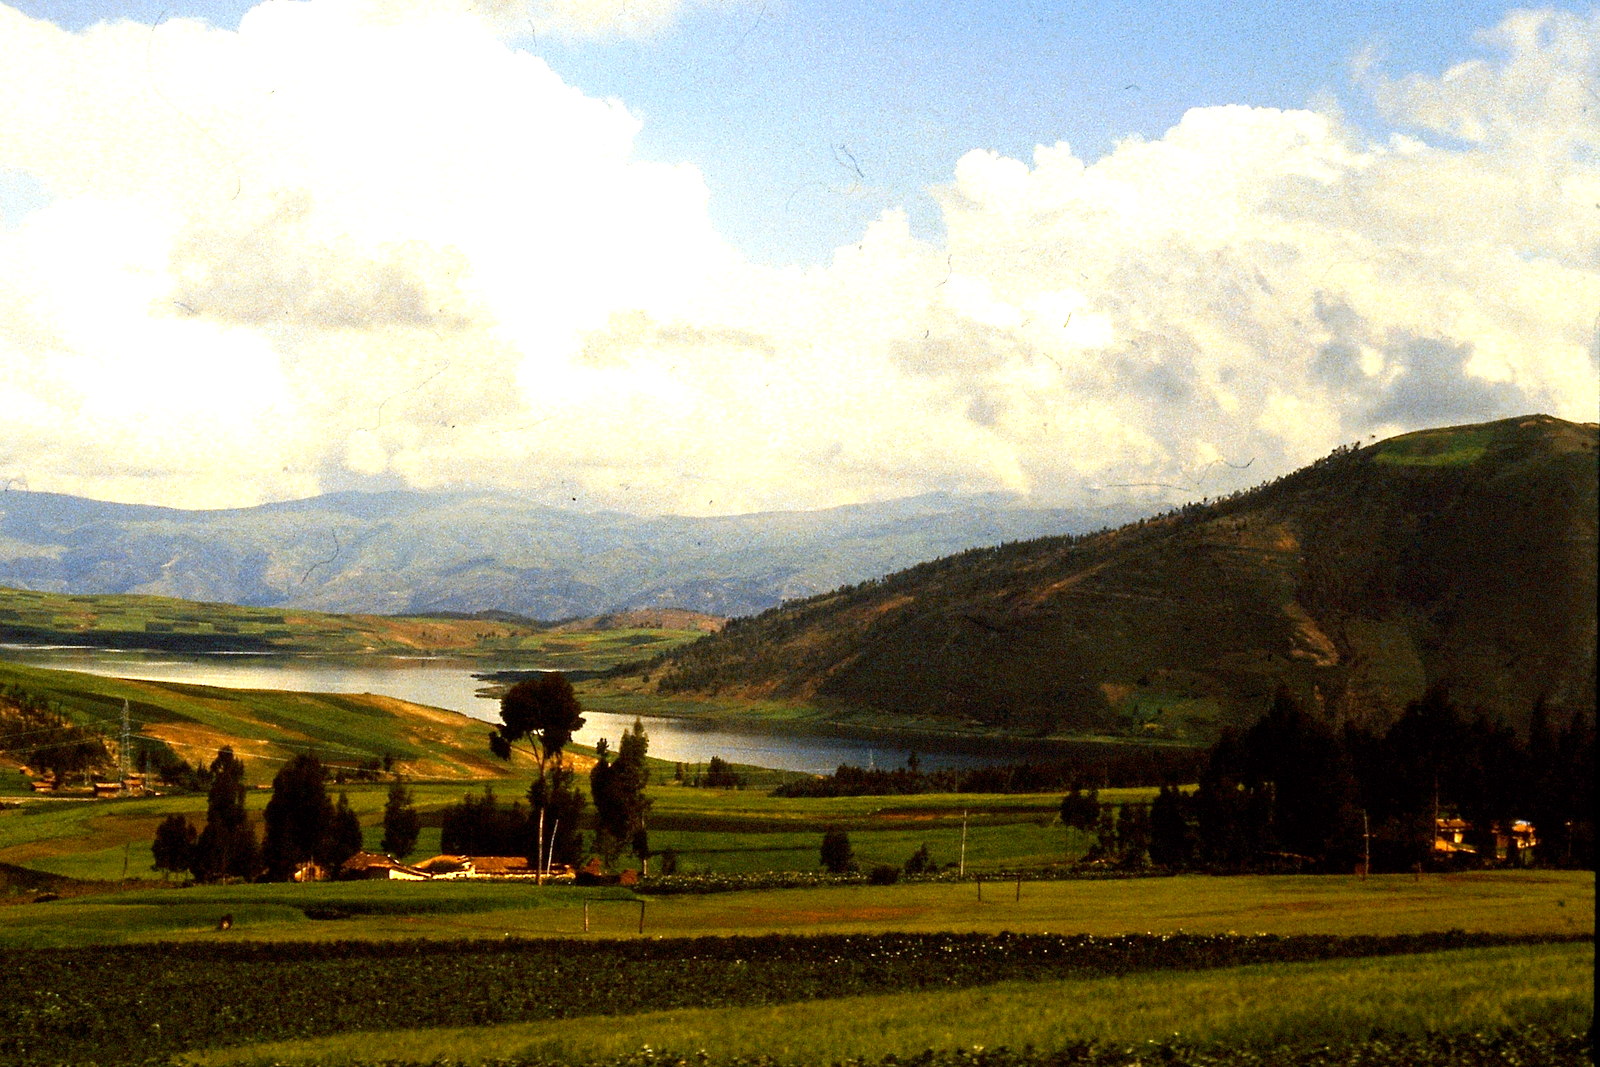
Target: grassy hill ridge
(1462,556)
(170,624)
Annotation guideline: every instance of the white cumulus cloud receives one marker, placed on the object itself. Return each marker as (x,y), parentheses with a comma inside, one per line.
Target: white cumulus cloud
(359,242)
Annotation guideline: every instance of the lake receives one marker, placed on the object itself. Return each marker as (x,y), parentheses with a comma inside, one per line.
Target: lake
(447,683)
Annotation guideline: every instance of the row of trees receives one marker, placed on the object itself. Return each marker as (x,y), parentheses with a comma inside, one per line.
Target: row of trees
(1292,790)
(38,734)
(226,848)
(1130,767)
(303,824)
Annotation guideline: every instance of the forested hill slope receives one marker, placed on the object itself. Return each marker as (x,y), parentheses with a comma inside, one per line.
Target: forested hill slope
(1463,556)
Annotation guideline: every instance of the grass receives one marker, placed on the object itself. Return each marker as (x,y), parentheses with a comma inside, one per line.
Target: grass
(1259,1005)
(713,831)
(164,622)
(1450,447)
(1522,902)
(267,727)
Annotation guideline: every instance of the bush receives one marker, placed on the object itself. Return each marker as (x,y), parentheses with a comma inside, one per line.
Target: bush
(921,862)
(837,856)
(884,874)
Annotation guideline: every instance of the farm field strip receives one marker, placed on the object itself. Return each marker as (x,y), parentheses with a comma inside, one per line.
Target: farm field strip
(136,1002)
(1255,1005)
(1545,903)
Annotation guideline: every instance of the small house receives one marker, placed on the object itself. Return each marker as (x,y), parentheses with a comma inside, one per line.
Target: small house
(490,867)
(376,866)
(501,867)
(446,866)
(1450,836)
(309,871)
(1514,841)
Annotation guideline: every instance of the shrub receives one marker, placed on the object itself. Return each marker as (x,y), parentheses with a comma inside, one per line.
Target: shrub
(837,856)
(884,874)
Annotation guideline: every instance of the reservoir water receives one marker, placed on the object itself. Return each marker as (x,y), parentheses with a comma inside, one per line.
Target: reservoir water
(447,683)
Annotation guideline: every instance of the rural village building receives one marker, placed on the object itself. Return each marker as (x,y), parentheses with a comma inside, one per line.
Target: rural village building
(1514,841)
(376,866)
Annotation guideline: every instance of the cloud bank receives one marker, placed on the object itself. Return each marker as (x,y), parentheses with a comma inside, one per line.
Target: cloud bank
(360,244)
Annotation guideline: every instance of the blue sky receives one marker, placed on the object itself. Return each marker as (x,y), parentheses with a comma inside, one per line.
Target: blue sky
(780,104)
(712,256)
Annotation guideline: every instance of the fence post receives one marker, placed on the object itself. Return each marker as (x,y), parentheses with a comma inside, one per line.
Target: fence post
(586,916)
(980,888)
(641,916)
(1019,888)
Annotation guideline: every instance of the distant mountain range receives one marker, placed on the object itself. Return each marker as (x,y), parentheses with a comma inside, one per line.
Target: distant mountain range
(1462,557)
(419,552)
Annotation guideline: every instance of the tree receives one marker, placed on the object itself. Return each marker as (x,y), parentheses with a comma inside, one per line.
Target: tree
(401,823)
(1314,797)
(1080,811)
(836,854)
(617,787)
(1169,829)
(920,862)
(173,848)
(298,817)
(342,837)
(1133,835)
(721,776)
(542,709)
(226,848)
(560,802)
(482,828)
(38,734)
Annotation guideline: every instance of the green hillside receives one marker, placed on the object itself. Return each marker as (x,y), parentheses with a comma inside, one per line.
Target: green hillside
(265,727)
(164,623)
(1461,556)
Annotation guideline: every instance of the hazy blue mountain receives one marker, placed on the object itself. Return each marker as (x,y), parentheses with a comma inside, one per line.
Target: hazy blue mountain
(396,552)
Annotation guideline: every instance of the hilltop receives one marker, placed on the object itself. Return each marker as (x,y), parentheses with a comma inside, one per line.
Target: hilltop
(1462,556)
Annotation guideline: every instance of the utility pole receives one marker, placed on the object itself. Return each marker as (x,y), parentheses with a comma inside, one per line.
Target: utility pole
(538,859)
(1366,846)
(963,869)
(122,748)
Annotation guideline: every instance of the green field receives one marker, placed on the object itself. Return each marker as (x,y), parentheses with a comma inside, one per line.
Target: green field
(797,999)
(1525,902)
(182,625)
(713,831)
(1258,1005)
